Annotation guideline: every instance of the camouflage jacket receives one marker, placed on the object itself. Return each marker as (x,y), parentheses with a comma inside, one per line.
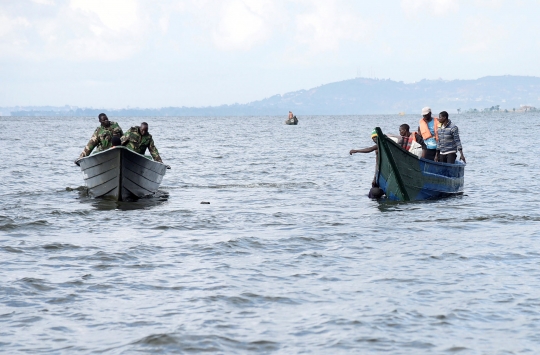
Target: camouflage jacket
(101,139)
(136,142)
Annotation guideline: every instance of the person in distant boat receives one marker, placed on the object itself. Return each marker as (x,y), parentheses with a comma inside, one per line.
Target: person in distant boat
(290,115)
(449,143)
(428,130)
(116,141)
(138,140)
(407,139)
(102,137)
(369,150)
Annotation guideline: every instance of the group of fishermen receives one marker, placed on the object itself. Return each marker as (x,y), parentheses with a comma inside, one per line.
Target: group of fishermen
(109,134)
(438,139)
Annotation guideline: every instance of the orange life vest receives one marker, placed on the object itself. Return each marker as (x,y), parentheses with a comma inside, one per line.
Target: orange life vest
(424,129)
(407,141)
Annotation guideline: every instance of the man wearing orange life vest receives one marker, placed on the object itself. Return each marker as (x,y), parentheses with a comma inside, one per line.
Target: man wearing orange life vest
(407,138)
(428,130)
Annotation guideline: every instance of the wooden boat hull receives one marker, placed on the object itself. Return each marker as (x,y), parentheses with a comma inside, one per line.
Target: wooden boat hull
(405,177)
(121,174)
(291,121)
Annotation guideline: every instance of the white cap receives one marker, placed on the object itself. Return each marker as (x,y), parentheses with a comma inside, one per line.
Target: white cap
(426,110)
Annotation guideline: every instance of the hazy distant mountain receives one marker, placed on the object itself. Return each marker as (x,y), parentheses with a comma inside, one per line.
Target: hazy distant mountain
(365,96)
(355,96)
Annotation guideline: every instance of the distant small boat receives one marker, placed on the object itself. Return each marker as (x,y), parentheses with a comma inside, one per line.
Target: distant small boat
(401,113)
(291,121)
(121,174)
(405,177)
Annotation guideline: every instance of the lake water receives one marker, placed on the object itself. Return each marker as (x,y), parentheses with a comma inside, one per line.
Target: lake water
(289,257)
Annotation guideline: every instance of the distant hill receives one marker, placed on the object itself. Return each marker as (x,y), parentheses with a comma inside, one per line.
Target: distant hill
(355,96)
(369,96)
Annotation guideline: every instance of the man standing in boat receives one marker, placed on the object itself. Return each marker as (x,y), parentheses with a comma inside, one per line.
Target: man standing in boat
(449,143)
(102,137)
(138,140)
(428,130)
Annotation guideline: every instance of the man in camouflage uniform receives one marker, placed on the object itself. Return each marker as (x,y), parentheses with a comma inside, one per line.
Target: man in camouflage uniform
(102,137)
(138,140)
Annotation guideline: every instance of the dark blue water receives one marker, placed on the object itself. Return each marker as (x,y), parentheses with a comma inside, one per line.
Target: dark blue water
(289,257)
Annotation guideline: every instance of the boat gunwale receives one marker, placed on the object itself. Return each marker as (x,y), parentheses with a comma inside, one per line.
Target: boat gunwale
(433,162)
(78,161)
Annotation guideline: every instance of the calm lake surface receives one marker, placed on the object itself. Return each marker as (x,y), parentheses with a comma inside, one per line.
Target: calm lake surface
(289,257)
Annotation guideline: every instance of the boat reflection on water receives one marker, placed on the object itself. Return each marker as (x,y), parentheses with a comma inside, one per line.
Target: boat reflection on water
(385,205)
(108,204)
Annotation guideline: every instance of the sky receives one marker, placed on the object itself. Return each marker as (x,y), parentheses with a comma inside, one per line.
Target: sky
(148,53)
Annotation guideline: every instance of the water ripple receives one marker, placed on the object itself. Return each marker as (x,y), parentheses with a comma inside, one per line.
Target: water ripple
(289,257)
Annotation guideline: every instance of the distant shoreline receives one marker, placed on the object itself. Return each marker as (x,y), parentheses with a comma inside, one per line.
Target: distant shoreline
(359,96)
(113,114)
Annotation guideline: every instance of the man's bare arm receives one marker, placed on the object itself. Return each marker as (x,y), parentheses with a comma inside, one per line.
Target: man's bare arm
(364,150)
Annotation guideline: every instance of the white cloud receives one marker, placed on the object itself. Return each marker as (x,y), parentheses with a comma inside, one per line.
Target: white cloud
(327,25)
(239,25)
(77,29)
(117,15)
(164,24)
(103,30)
(481,35)
(86,29)
(11,39)
(433,7)
(8,24)
(242,24)
(107,30)
(44,2)
(491,4)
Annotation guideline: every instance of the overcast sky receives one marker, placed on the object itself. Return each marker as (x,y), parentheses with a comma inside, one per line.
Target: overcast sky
(147,53)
